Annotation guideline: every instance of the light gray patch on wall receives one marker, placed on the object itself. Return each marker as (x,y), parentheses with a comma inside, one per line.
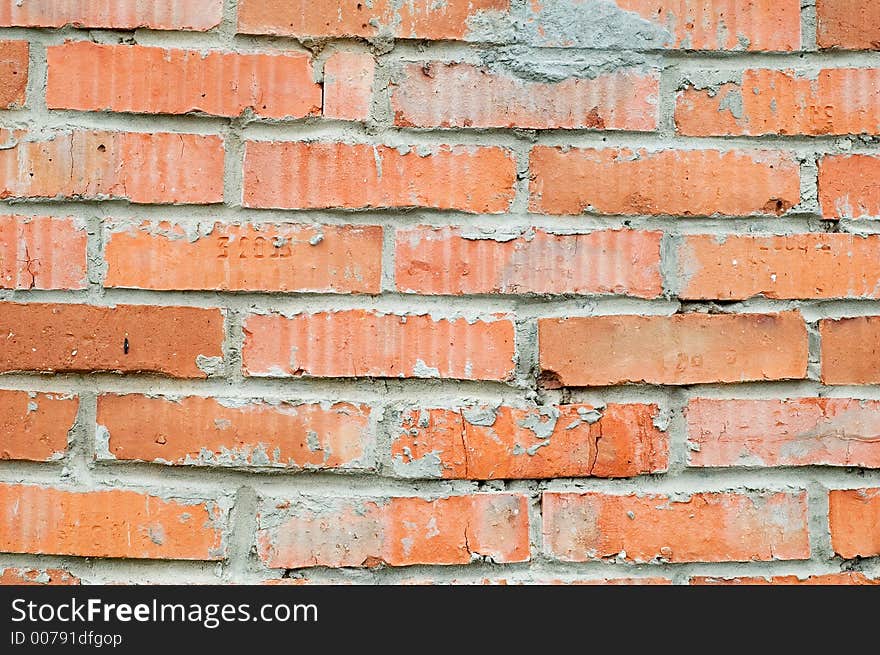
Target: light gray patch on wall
(429,466)
(732,102)
(542,421)
(482,416)
(520,61)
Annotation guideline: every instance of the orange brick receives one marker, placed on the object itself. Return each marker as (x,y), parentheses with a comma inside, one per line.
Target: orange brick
(704,527)
(20,576)
(415,19)
(322,175)
(218,432)
(438,94)
(676,182)
(679,349)
(197,15)
(13,73)
(357,343)
(848,186)
(854,521)
(837,579)
(141,168)
(340,532)
(850,352)
(849,24)
(686,24)
(68,338)
(837,101)
(113,523)
(792,432)
(42,253)
(174,81)
(485,443)
(539,581)
(34,426)
(348,85)
(820,265)
(244,257)
(458,261)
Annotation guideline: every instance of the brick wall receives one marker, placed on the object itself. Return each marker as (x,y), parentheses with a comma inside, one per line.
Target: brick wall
(461,291)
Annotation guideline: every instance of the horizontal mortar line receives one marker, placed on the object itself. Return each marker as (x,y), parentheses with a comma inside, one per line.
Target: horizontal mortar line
(767,390)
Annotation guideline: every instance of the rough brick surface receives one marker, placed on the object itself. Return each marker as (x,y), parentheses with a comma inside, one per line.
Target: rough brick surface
(20,576)
(197,15)
(13,73)
(854,521)
(681,349)
(348,85)
(705,527)
(847,187)
(42,252)
(218,432)
(34,426)
(394,531)
(837,579)
(848,24)
(850,354)
(485,443)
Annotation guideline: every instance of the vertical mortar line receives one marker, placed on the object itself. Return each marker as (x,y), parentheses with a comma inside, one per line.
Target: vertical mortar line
(809,172)
(240,565)
(676,402)
(814,350)
(522,152)
(383,418)
(35,90)
(229,21)
(817,517)
(233,163)
(233,345)
(670,265)
(96,266)
(670,77)
(808,25)
(380,116)
(389,257)
(81,441)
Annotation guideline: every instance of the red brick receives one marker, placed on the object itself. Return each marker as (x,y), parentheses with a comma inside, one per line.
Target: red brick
(594,582)
(68,338)
(340,532)
(357,343)
(218,432)
(322,175)
(415,19)
(459,261)
(837,101)
(42,253)
(485,443)
(850,352)
(848,578)
(244,257)
(438,94)
(112,523)
(854,521)
(679,349)
(848,186)
(792,432)
(348,85)
(689,24)
(141,168)
(197,15)
(676,182)
(21,576)
(34,426)
(704,527)
(849,24)
(819,265)
(13,73)
(173,81)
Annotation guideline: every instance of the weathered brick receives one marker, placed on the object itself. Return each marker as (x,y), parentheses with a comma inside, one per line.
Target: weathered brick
(197,15)
(22,576)
(415,19)
(13,73)
(704,527)
(836,101)
(848,578)
(108,523)
(378,345)
(486,443)
(848,186)
(174,81)
(224,432)
(42,252)
(244,257)
(818,265)
(850,352)
(34,426)
(438,94)
(348,85)
(679,349)
(676,182)
(854,521)
(792,432)
(142,168)
(65,338)
(322,175)
(457,261)
(848,24)
(394,531)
